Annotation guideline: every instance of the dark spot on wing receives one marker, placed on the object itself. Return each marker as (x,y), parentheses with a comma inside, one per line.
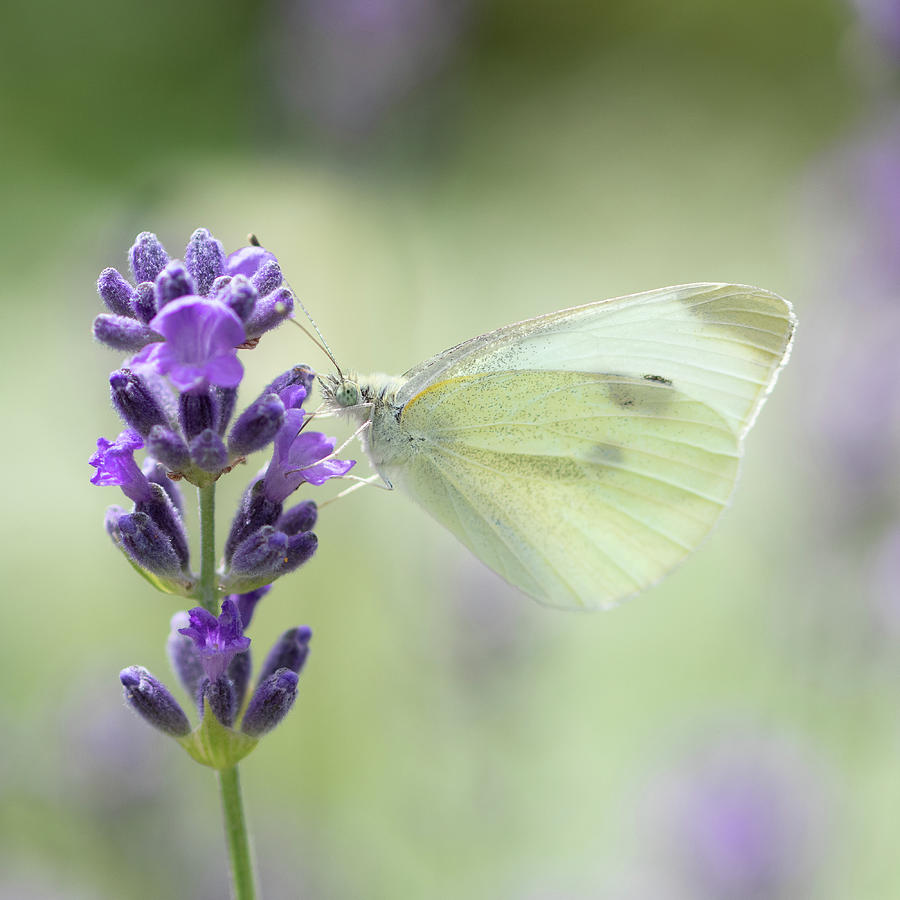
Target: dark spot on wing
(659,379)
(605,454)
(621,393)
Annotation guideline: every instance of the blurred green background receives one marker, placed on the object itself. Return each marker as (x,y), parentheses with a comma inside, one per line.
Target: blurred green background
(427,170)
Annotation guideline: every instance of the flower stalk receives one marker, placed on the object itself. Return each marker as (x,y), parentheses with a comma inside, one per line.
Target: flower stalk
(243,881)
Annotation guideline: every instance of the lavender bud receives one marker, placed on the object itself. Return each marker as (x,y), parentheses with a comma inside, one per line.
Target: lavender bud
(220,698)
(269,312)
(300,375)
(270,703)
(260,553)
(255,511)
(267,277)
(197,412)
(166,517)
(205,260)
(148,257)
(239,672)
(137,401)
(256,426)
(240,296)
(301,517)
(144,302)
(123,333)
(208,452)
(173,282)
(156,474)
(144,541)
(300,549)
(153,702)
(115,292)
(225,400)
(184,656)
(289,652)
(246,603)
(169,448)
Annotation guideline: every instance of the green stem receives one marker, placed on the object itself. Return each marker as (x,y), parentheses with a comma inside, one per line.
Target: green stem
(208,548)
(242,881)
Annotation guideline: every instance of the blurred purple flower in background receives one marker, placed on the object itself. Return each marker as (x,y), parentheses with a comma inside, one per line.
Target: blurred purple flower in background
(744,817)
(881,19)
(347,63)
(851,223)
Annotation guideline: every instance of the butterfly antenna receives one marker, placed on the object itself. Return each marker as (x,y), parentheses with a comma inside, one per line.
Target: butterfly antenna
(321,343)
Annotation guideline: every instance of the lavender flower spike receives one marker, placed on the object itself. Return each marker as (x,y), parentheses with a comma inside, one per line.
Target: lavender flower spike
(217,639)
(270,703)
(152,701)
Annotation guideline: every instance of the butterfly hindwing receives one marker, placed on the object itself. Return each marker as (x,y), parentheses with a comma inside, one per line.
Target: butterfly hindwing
(579,488)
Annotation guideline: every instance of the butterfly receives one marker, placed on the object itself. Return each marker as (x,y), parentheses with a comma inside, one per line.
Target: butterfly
(585,453)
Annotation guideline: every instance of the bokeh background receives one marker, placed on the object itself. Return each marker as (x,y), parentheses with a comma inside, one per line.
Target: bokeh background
(427,170)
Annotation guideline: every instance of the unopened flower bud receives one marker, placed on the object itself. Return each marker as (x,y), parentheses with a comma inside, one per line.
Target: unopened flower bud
(256,426)
(301,517)
(208,452)
(269,312)
(205,260)
(270,703)
(183,655)
(289,652)
(144,302)
(152,701)
(219,697)
(169,448)
(267,277)
(148,257)
(138,400)
(121,333)
(255,511)
(115,292)
(173,282)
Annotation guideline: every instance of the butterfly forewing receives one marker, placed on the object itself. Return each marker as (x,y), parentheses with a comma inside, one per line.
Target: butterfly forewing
(718,343)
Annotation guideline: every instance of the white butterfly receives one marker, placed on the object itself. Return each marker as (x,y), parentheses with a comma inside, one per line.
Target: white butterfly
(581,454)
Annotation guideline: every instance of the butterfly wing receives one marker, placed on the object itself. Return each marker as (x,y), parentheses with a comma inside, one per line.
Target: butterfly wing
(721,344)
(584,454)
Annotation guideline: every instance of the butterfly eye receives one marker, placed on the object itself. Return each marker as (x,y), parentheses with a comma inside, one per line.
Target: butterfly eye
(347,394)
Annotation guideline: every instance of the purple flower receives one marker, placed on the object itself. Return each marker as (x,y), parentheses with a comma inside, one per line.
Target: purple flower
(301,456)
(349,62)
(882,20)
(200,347)
(115,465)
(741,819)
(217,639)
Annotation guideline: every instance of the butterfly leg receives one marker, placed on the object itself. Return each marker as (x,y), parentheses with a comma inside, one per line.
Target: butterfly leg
(360,482)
